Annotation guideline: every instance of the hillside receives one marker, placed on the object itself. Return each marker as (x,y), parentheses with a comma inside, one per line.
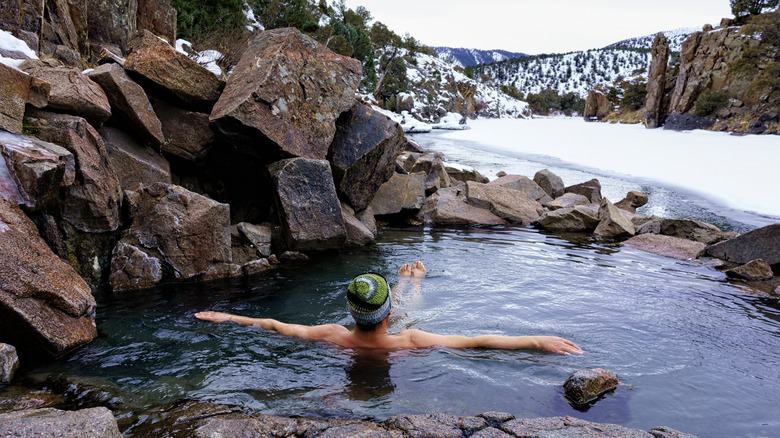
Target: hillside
(471,57)
(675,38)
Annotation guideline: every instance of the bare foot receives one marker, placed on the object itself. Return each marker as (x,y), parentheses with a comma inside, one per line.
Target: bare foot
(213,316)
(405,270)
(418,269)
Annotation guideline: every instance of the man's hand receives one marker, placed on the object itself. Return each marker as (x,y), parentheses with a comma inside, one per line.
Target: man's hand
(213,316)
(558,345)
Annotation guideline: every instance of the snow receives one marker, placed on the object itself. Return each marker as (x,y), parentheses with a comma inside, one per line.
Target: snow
(738,172)
(10,43)
(251,20)
(207,58)
(451,122)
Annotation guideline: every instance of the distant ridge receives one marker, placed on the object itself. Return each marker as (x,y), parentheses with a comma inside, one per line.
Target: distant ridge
(471,57)
(675,38)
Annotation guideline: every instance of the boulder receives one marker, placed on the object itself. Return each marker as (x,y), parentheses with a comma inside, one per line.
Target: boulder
(71,92)
(437,178)
(309,209)
(188,233)
(111,22)
(655,106)
(158,17)
(366,217)
(685,229)
(586,385)
(461,174)
(580,218)
(129,103)
(91,203)
(50,422)
(14,89)
(133,162)
(612,223)
(551,183)
(507,203)
(589,189)
(363,153)
(597,106)
(357,233)
(399,193)
(9,363)
(259,235)
(187,133)
(523,184)
(285,94)
(449,206)
(32,172)
(632,201)
(667,246)
(256,267)
(46,309)
(567,200)
(164,71)
(133,269)
(763,243)
(755,270)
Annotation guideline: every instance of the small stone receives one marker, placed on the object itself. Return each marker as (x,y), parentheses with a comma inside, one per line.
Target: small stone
(586,385)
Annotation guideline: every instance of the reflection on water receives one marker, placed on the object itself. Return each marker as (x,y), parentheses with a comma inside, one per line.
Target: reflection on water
(694,352)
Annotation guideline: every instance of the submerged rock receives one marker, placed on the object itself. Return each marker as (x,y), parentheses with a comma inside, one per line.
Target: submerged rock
(668,246)
(586,385)
(86,423)
(755,270)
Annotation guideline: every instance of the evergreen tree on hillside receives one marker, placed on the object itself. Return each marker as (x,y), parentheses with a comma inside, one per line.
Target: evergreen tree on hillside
(751,7)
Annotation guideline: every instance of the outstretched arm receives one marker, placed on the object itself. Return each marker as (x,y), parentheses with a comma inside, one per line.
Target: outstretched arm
(552,344)
(296,330)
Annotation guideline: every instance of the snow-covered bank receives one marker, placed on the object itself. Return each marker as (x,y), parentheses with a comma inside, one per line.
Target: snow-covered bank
(738,172)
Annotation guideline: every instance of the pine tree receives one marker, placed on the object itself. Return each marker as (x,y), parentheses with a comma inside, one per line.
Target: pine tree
(751,7)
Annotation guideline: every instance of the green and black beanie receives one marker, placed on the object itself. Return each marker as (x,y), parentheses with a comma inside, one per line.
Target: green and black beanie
(369,299)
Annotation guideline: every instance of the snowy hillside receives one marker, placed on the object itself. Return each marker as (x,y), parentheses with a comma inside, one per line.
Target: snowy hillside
(466,57)
(675,38)
(576,72)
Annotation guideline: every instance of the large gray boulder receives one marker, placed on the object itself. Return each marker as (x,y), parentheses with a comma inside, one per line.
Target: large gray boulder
(589,189)
(92,202)
(46,308)
(449,206)
(49,422)
(399,193)
(550,183)
(612,223)
(132,161)
(763,243)
(580,218)
(129,103)
(285,94)
(165,72)
(363,153)
(513,205)
(309,209)
(698,231)
(32,172)
(524,185)
(567,200)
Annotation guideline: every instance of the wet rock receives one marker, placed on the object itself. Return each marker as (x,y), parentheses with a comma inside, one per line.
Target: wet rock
(293,257)
(46,309)
(551,183)
(309,209)
(363,153)
(20,398)
(285,94)
(133,162)
(580,218)
(188,233)
(187,133)
(438,425)
(763,243)
(589,189)
(567,200)
(655,107)
(668,246)
(71,92)
(32,172)
(685,229)
(755,270)
(168,73)
(524,185)
(612,223)
(9,363)
(91,203)
(399,193)
(632,201)
(259,235)
(450,206)
(86,423)
(586,385)
(507,203)
(133,269)
(569,427)
(256,267)
(597,106)
(129,102)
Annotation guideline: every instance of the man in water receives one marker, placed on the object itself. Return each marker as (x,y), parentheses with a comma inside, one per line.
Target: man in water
(369,299)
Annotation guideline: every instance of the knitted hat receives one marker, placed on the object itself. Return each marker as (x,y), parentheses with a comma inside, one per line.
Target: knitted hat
(369,299)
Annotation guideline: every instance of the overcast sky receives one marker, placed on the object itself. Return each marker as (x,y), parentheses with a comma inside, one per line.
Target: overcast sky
(539,26)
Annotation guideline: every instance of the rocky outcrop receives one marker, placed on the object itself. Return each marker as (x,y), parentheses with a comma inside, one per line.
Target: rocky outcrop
(667,246)
(655,107)
(129,102)
(46,309)
(586,385)
(597,106)
(363,153)
(309,209)
(9,363)
(763,243)
(450,206)
(86,423)
(167,73)
(284,96)
(551,183)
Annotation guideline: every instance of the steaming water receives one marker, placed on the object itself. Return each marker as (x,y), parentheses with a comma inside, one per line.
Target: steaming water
(694,351)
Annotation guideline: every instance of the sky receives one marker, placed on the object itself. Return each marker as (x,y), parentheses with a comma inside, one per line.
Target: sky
(539,26)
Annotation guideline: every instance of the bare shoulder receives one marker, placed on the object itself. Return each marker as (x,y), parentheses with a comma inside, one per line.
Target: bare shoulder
(415,338)
(327,330)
